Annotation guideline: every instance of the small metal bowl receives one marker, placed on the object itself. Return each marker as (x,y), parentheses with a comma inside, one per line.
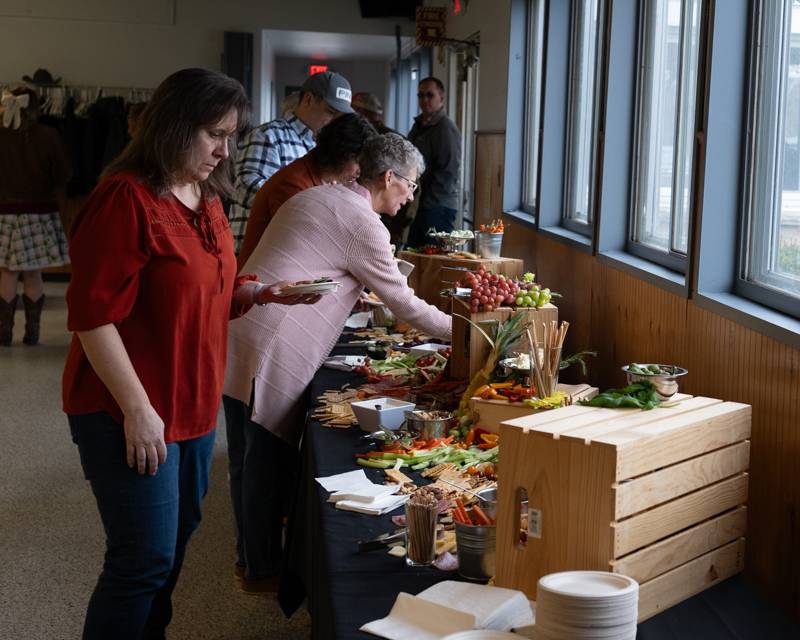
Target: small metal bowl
(666,384)
(448,244)
(429,428)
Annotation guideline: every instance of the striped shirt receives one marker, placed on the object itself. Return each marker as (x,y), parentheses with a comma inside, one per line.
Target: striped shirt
(260,154)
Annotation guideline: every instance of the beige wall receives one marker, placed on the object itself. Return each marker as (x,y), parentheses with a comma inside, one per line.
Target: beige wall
(492,20)
(120,49)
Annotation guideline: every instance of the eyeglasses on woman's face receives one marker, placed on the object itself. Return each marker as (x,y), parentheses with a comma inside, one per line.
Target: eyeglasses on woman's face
(411,184)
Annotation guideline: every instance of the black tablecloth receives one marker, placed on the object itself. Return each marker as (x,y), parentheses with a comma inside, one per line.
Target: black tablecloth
(345,589)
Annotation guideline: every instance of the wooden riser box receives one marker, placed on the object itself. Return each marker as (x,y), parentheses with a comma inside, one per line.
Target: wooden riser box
(489,414)
(431,274)
(470,348)
(657,495)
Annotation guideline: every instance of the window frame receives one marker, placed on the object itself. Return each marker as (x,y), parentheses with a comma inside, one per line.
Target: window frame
(670,259)
(598,94)
(767,293)
(535,45)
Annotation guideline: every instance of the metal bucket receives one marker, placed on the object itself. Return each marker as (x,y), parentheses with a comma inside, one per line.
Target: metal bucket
(477,545)
(488,245)
(476,551)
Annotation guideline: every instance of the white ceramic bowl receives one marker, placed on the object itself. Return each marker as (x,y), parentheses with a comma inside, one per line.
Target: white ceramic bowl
(374,412)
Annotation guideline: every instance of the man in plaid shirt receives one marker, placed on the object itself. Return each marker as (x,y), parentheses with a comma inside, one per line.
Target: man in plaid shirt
(275,144)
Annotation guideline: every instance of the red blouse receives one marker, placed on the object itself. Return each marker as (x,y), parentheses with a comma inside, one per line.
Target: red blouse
(164,275)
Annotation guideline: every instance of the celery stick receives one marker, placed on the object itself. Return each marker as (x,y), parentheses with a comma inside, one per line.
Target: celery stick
(375,463)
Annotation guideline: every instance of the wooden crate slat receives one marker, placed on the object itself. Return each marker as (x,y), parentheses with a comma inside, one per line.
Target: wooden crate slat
(569,419)
(690,579)
(667,484)
(660,522)
(668,554)
(559,416)
(626,419)
(702,416)
(643,449)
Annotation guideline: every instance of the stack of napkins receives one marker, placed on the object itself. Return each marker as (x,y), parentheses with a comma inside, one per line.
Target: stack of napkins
(358,320)
(449,607)
(344,363)
(353,491)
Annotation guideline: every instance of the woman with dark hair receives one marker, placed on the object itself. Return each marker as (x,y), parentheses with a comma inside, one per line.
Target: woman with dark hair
(330,231)
(153,286)
(34,170)
(333,160)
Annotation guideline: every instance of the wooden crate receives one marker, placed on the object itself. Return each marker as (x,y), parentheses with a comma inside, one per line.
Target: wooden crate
(470,348)
(488,414)
(431,274)
(657,495)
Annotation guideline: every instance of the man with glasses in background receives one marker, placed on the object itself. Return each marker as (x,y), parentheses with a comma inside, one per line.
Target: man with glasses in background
(439,141)
(273,145)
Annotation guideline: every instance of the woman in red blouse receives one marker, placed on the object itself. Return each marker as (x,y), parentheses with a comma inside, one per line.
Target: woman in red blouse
(153,286)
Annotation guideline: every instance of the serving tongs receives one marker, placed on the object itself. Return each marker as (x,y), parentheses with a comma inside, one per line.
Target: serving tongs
(382,541)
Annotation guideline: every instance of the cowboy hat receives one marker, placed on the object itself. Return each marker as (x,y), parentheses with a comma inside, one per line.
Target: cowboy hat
(42,78)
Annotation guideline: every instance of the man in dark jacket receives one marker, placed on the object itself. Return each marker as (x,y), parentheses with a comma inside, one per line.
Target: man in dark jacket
(439,141)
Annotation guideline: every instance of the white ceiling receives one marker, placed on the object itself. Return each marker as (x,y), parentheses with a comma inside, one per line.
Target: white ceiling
(332,46)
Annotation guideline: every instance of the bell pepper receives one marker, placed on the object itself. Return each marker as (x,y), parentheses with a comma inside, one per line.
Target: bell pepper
(482,389)
(501,385)
(490,438)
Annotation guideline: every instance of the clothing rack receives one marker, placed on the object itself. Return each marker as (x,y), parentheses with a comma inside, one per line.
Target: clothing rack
(54,98)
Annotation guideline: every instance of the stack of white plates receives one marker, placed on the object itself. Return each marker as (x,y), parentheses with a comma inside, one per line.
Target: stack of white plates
(586,605)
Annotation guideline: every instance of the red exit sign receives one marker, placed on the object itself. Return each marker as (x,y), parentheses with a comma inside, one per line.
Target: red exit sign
(317,68)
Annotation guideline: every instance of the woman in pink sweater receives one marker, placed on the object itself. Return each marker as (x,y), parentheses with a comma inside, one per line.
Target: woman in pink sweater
(274,351)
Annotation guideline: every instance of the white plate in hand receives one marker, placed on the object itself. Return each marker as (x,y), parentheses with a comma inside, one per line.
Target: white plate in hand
(322,288)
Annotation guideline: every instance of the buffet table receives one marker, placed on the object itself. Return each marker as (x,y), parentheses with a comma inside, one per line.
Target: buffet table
(345,589)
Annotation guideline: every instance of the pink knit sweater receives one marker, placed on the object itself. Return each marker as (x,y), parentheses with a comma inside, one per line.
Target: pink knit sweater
(275,350)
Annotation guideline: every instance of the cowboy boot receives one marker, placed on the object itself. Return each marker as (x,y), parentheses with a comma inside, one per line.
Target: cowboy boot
(7,310)
(33,313)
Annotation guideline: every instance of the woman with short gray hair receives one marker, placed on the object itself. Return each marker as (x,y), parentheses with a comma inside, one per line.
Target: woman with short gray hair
(389,152)
(330,231)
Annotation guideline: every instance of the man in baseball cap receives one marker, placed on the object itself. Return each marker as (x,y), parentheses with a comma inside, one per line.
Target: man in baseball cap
(273,145)
(332,88)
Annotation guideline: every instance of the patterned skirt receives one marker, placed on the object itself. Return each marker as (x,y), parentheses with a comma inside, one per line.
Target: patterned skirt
(32,241)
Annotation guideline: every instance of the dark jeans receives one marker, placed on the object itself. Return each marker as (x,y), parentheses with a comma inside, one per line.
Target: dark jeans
(148,521)
(441,218)
(261,469)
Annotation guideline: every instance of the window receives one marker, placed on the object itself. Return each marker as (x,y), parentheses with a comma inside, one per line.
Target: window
(769,265)
(669,47)
(534,68)
(582,103)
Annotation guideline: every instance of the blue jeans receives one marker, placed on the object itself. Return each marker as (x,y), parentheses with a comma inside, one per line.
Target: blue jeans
(261,468)
(441,218)
(148,521)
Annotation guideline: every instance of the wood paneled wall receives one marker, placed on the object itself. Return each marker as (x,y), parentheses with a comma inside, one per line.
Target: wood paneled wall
(626,320)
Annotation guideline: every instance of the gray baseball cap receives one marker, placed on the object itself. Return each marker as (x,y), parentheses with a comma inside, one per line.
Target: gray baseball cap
(333,88)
